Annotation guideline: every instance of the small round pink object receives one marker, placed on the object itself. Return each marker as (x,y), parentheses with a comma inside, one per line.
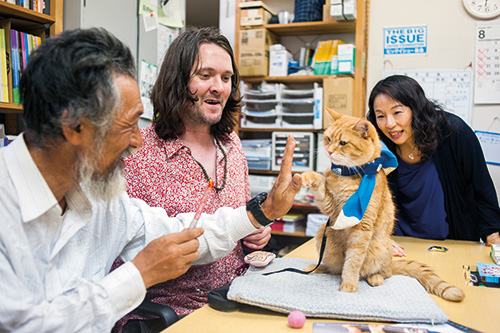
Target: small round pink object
(296,319)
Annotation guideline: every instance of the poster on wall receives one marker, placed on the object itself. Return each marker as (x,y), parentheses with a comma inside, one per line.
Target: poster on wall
(451,88)
(147,78)
(405,40)
(487,64)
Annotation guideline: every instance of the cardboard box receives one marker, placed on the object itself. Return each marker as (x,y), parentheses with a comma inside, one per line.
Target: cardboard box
(254,51)
(337,95)
(254,16)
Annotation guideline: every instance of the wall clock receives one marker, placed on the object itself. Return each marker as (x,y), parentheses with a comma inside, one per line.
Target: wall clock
(482,9)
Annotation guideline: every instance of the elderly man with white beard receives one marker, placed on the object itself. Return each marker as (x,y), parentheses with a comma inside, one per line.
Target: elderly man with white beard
(65,215)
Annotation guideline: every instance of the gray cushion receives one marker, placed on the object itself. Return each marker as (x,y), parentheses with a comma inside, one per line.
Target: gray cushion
(399,299)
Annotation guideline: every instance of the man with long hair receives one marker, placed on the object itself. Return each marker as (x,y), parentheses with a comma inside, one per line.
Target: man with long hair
(190,143)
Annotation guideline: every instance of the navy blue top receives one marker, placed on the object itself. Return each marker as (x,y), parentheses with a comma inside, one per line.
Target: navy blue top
(420,202)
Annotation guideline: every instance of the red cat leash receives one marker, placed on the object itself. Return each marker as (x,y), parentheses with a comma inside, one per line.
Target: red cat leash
(322,249)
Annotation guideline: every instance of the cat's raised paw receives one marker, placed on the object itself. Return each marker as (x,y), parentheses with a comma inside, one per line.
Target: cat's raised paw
(311,179)
(348,288)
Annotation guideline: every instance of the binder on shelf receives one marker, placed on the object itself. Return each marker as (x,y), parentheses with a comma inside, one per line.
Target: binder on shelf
(4,91)
(14,55)
(325,59)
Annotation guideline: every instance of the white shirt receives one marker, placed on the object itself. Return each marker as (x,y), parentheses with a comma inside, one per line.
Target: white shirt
(54,269)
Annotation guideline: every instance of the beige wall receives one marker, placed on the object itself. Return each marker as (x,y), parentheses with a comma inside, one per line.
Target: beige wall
(450,45)
(450,41)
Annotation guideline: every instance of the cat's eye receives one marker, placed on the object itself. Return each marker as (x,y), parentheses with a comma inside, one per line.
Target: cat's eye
(328,140)
(342,143)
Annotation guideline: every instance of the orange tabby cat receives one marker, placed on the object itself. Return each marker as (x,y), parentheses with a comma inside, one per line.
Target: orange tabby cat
(362,251)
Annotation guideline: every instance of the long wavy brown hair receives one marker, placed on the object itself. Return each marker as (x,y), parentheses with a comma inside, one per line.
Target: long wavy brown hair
(171,96)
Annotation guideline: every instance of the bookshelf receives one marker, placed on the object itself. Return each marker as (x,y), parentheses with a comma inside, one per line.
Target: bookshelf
(28,19)
(356,32)
(358,28)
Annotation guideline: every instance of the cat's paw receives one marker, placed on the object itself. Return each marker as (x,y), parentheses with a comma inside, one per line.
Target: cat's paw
(311,179)
(348,288)
(375,280)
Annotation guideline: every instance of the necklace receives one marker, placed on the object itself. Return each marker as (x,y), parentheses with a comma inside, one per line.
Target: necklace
(207,177)
(410,155)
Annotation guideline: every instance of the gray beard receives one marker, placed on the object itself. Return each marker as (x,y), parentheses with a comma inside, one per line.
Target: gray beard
(105,186)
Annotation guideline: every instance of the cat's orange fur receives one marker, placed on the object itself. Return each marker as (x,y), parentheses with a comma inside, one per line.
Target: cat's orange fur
(363,251)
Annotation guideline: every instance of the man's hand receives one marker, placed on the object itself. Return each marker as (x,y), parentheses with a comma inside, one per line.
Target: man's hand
(280,198)
(494,238)
(168,257)
(258,239)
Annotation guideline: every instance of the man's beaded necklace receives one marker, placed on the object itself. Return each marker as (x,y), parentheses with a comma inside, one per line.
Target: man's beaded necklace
(207,177)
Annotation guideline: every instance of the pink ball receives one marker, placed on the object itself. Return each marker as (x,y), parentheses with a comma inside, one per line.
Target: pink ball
(296,319)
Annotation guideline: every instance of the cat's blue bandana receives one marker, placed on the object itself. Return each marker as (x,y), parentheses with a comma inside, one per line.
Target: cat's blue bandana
(355,206)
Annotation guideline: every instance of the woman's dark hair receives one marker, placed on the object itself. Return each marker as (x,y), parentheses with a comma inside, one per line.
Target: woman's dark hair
(73,71)
(171,95)
(427,116)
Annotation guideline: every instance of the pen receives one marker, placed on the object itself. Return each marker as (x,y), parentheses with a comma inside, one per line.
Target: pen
(202,205)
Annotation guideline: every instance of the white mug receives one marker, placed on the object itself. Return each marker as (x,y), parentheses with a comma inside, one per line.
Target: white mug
(283,17)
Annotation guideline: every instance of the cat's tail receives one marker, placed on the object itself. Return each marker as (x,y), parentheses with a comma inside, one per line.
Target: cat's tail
(428,279)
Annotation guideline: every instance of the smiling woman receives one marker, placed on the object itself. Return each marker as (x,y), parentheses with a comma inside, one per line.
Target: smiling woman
(442,187)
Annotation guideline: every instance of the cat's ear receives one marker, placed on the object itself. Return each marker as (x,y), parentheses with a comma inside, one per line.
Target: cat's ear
(363,127)
(335,115)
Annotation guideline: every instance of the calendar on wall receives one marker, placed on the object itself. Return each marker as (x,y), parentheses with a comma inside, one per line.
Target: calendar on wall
(487,64)
(451,88)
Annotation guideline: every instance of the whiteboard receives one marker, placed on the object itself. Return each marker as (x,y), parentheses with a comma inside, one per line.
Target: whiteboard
(451,88)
